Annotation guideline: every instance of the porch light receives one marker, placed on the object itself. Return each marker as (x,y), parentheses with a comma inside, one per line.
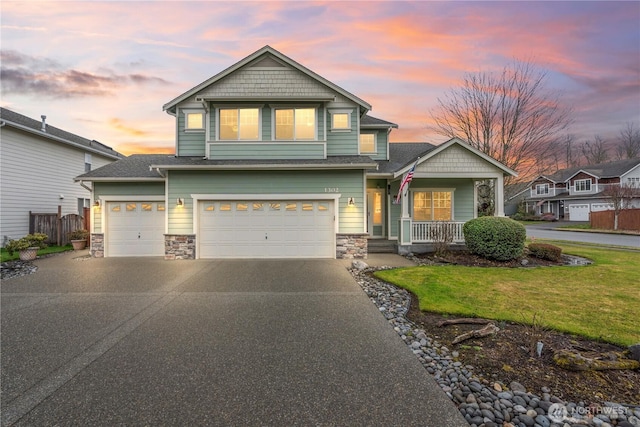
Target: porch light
(351,202)
(96,203)
(179,202)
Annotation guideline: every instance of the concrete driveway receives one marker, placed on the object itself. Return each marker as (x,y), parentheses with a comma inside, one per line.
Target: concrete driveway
(154,342)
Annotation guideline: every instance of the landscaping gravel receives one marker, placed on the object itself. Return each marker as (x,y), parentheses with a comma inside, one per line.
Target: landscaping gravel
(483,403)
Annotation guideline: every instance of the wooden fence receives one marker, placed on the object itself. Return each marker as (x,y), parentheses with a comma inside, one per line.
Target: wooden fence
(57,226)
(629,219)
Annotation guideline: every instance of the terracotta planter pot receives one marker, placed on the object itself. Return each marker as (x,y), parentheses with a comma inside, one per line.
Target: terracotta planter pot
(79,245)
(28,254)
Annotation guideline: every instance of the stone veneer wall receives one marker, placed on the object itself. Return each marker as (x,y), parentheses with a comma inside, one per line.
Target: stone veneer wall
(96,245)
(179,246)
(349,246)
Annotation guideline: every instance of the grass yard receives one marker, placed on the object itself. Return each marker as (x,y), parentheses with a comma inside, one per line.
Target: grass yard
(48,250)
(599,301)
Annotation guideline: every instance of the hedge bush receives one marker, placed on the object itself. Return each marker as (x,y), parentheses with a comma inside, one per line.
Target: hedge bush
(545,251)
(496,238)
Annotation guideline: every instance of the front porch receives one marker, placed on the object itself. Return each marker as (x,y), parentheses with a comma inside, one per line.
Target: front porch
(424,235)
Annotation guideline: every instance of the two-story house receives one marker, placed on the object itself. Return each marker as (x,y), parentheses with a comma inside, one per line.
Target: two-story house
(572,193)
(273,160)
(38,163)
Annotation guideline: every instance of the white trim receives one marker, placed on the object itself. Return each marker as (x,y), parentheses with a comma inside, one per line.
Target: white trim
(217,109)
(348,112)
(575,187)
(257,166)
(295,107)
(375,143)
(187,112)
(335,197)
(432,190)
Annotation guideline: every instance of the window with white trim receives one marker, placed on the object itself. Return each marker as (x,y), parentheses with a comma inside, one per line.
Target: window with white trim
(368,143)
(432,205)
(542,189)
(237,124)
(295,124)
(193,120)
(87,162)
(341,120)
(582,185)
(633,181)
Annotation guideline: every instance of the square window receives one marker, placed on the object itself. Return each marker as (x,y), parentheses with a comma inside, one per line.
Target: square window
(295,124)
(340,121)
(367,143)
(432,206)
(239,124)
(194,120)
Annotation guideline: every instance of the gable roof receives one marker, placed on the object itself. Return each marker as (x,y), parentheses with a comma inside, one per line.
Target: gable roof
(401,154)
(461,143)
(600,170)
(18,121)
(266,51)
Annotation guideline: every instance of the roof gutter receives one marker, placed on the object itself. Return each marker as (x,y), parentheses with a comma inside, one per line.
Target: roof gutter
(267,167)
(83,185)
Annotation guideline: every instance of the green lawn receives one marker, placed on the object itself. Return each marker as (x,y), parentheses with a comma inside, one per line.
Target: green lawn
(600,301)
(48,250)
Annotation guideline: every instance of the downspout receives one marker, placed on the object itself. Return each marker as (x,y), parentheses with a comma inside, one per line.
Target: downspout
(83,185)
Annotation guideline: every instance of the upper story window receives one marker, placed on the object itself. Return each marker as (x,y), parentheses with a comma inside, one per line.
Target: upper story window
(341,120)
(193,119)
(432,205)
(239,123)
(633,181)
(295,123)
(582,185)
(367,143)
(542,189)
(87,162)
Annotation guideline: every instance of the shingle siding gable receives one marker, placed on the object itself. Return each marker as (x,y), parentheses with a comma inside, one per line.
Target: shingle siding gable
(263,83)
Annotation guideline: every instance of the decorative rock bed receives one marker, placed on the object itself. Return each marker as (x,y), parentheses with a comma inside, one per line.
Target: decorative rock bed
(484,404)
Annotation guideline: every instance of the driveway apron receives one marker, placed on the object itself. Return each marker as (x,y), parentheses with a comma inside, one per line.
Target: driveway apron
(151,342)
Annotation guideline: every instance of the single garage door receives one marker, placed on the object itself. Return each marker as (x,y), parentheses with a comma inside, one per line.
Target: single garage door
(579,212)
(135,229)
(266,229)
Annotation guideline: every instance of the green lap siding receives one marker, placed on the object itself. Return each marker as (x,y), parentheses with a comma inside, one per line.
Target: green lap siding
(127,190)
(266,150)
(343,143)
(182,184)
(190,143)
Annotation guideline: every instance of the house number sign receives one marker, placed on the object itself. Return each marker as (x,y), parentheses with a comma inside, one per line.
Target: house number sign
(331,189)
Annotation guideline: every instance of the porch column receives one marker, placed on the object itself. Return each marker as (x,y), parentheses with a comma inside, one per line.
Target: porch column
(499,195)
(404,235)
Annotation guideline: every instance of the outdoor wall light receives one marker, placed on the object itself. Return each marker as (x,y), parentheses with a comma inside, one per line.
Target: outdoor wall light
(96,203)
(180,202)
(351,202)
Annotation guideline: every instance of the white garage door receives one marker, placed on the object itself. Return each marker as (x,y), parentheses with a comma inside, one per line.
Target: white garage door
(266,229)
(579,212)
(135,229)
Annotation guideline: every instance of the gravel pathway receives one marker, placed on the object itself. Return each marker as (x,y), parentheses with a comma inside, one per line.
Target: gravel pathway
(481,403)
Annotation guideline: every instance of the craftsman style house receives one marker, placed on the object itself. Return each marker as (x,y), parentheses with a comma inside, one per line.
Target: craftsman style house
(274,161)
(571,194)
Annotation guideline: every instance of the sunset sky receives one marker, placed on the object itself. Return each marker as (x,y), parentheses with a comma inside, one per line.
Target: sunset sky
(103,70)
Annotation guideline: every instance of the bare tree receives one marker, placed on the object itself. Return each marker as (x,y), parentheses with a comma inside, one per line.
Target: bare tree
(629,142)
(621,197)
(595,151)
(510,117)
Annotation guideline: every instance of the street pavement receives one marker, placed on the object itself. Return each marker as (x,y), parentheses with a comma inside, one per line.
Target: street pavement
(143,341)
(547,230)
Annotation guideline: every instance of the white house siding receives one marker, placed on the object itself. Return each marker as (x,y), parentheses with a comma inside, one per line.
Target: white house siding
(34,173)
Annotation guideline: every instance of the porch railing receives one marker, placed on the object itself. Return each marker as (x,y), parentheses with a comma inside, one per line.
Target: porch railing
(431,231)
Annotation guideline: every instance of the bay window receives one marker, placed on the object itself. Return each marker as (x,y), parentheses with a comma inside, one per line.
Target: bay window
(432,206)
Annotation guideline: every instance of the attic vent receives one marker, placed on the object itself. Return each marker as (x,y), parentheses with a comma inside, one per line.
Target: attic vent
(44,123)
(268,62)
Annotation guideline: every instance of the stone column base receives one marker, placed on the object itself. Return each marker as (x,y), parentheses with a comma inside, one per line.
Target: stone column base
(179,246)
(353,245)
(96,245)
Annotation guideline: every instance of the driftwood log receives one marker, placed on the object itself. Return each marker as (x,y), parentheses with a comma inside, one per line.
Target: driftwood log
(574,361)
(465,321)
(490,329)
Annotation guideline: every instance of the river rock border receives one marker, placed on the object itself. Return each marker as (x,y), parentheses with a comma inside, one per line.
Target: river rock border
(481,403)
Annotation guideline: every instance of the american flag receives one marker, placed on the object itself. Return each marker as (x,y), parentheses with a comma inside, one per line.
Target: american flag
(404,185)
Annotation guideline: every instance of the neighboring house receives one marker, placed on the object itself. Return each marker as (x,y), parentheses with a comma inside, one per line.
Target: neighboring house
(274,161)
(38,164)
(571,194)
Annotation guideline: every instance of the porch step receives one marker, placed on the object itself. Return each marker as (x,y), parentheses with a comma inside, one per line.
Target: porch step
(382,246)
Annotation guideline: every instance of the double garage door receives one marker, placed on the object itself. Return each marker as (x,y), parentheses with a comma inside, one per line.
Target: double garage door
(266,229)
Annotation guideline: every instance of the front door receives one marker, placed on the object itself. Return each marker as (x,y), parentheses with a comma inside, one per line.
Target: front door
(375,214)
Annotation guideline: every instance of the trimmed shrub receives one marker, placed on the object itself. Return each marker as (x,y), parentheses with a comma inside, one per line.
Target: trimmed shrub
(545,251)
(496,238)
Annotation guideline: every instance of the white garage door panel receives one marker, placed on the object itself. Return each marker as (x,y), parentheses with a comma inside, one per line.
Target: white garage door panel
(135,229)
(266,229)
(579,212)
